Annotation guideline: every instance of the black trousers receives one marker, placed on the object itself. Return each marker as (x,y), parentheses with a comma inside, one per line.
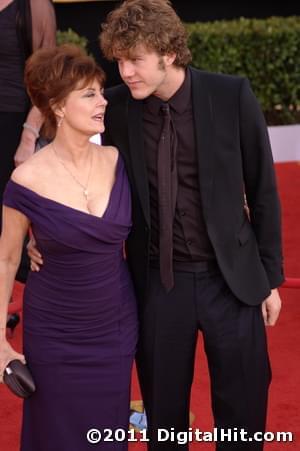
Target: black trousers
(235,345)
(11,126)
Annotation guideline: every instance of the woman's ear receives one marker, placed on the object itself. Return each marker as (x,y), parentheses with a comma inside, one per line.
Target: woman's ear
(59,112)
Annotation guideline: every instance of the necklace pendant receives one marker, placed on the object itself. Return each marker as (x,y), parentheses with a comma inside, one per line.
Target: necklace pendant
(85,192)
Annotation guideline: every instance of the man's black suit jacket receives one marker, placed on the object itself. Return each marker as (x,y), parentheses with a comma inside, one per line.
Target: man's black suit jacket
(234,159)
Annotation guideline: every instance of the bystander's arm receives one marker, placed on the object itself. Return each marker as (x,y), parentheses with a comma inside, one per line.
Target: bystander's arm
(30,134)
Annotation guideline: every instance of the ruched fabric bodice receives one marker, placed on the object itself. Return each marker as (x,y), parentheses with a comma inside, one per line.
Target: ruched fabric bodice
(79,314)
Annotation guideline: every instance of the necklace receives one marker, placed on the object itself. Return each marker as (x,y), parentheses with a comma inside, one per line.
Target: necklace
(84,187)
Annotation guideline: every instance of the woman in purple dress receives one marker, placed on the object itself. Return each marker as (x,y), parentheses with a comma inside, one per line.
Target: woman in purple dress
(80,319)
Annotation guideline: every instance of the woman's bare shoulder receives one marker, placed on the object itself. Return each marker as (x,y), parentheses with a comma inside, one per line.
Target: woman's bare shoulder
(110,153)
(29,172)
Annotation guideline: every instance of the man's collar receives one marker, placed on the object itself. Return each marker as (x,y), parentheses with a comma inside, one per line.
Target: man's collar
(179,102)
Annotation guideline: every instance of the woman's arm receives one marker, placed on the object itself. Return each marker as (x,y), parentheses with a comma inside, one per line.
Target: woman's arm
(14,228)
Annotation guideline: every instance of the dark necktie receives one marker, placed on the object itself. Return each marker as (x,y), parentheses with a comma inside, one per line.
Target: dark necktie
(167,193)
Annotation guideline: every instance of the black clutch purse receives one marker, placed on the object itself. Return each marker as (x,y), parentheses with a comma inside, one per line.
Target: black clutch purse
(18,379)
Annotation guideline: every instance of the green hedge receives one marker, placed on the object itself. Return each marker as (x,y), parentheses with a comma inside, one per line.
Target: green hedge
(70,36)
(267,51)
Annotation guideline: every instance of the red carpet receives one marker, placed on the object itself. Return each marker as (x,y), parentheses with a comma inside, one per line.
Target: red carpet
(284,343)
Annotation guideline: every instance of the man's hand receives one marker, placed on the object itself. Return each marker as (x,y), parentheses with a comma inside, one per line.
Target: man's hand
(271,308)
(36,259)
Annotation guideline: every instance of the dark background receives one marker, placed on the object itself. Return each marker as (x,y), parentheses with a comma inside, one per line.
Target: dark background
(85,18)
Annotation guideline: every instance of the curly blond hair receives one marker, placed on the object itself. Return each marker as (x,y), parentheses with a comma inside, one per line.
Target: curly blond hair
(152,23)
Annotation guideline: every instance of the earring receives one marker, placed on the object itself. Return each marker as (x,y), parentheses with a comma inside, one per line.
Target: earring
(59,122)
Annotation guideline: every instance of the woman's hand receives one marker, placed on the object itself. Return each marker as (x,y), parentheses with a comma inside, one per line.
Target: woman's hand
(36,259)
(7,354)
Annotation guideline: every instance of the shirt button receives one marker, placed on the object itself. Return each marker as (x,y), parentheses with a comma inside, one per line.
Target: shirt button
(189,242)
(182,213)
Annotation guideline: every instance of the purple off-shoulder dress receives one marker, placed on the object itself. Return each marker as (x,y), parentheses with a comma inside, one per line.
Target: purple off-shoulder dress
(80,321)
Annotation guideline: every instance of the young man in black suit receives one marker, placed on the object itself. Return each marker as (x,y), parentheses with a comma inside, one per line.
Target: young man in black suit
(199,261)
(195,146)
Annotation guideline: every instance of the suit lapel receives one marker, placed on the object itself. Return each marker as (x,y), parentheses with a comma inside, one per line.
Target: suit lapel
(203,125)
(136,148)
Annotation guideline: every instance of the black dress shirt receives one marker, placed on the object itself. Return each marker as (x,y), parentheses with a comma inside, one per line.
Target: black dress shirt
(190,240)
